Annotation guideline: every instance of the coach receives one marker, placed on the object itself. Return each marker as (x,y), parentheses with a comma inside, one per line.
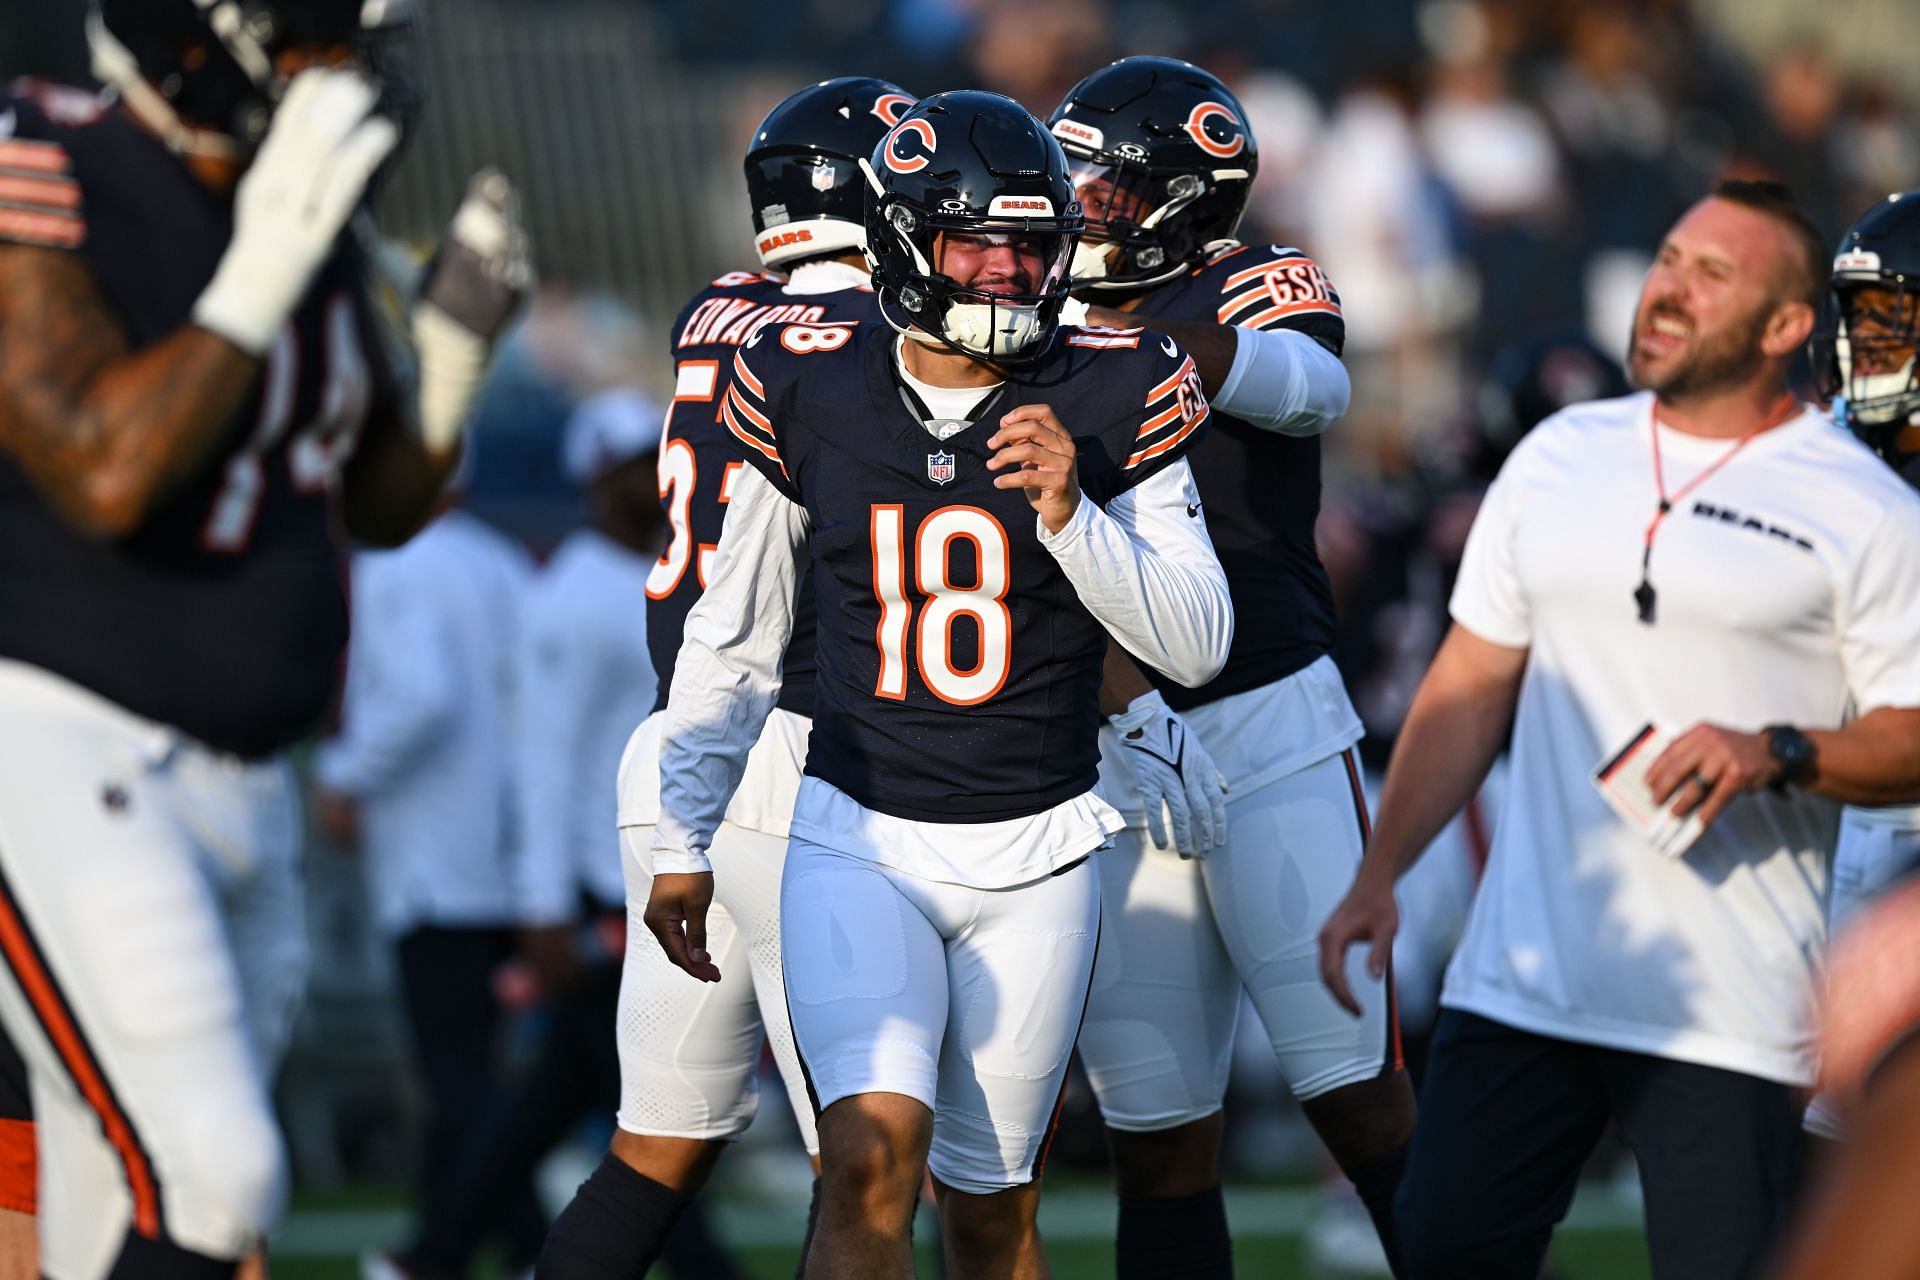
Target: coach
(1715,558)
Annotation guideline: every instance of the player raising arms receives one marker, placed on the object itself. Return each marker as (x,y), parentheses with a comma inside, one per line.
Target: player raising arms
(1163,159)
(984,496)
(190,387)
(686,1095)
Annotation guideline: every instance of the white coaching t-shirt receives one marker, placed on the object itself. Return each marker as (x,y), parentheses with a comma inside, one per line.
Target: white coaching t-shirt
(1788,592)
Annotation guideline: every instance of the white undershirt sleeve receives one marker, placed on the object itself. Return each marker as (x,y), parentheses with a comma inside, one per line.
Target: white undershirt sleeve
(727,677)
(1146,569)
(1283,380)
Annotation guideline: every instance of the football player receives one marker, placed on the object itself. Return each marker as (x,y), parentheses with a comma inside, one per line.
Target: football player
(1868,357)
(191,389)
(685,1096)
(985,495)
(1163,159)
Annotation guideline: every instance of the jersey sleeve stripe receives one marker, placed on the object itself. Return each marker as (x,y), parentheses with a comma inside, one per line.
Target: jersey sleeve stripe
(752,441)
(61,230)
(752,414)
(745,375)
(1173,380)
(41,157)
(1239,278)
(1157,421)
(1155,450)
(31,189)
(1289,310)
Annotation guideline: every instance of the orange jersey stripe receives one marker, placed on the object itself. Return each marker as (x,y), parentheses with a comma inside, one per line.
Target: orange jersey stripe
(1291,309)
(37,985)
(1167,387)
(19,1166)
(1172,440)
(60,229)
(1156,422)
(754,416)
(745,375)
(55,193)
(41,157)
(748,438)
(1254,273)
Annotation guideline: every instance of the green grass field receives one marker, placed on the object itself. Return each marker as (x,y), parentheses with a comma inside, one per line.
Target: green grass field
(1602,1242)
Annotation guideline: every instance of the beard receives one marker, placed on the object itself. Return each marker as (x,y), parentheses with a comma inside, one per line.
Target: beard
(1719,361)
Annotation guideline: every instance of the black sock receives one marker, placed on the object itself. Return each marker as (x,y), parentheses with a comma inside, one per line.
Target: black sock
(1377,1184)
(614,1228)
(1184,1239)
(813,1221)
(163,1260)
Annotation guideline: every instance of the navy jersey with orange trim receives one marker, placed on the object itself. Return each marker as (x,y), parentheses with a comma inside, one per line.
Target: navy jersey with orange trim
(1261,488)
(224,613)
(699,458)
(958,671)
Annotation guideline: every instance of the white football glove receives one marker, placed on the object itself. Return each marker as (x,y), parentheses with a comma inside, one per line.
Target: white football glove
(1175,772)
(304,183)
(473,288)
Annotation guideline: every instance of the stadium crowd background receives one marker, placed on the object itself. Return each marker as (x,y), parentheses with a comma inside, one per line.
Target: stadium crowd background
(1479,178)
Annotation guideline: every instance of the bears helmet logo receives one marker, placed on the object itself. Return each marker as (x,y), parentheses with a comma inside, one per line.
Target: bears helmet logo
(1217,129)
(899,149)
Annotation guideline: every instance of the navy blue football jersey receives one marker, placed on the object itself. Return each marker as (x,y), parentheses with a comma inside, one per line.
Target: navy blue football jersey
(224,614)
(1261,488)
(958,671)
(699,458)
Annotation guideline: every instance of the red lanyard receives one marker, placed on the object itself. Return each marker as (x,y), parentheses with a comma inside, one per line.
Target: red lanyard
(1644,596)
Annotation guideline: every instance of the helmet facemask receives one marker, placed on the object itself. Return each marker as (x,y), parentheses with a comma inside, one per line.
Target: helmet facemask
(986,285)
(1875,360)
(1134,236)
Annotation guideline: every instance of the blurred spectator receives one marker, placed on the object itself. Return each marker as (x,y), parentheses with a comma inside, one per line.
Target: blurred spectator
(418,780)
(1035,50)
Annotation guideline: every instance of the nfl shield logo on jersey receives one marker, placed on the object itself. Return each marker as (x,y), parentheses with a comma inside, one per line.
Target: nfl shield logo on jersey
(940,467)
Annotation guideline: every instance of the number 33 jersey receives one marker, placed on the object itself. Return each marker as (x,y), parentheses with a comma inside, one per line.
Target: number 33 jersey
(958,670)
(223,614)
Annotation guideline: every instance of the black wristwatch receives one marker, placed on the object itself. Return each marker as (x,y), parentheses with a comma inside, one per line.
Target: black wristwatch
(1793,751)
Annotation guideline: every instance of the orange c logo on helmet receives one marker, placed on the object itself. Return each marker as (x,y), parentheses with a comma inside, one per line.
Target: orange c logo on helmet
(1235,139)
(890,107)
(901,157)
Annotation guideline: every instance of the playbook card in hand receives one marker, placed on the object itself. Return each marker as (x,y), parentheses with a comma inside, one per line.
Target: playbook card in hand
(1622,779)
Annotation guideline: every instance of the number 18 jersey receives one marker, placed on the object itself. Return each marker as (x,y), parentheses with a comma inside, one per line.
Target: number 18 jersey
(958,670)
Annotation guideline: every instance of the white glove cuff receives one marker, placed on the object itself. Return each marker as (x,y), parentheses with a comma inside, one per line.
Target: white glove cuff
(1141,712)
(250,296)
(453,367)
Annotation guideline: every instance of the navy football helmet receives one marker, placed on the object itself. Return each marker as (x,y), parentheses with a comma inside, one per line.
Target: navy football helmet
(1869,337)
(971,224)
(1163,160)
(803,169)
(202,71)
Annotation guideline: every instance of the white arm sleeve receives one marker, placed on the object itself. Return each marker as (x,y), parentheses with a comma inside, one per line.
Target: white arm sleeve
(1285,381)
(727,676)
(1146,569)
